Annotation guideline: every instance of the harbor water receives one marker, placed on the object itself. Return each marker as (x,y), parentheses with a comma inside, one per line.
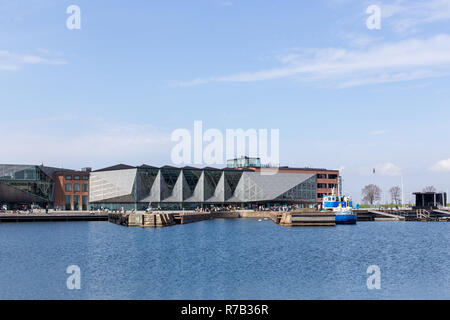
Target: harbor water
(225,259)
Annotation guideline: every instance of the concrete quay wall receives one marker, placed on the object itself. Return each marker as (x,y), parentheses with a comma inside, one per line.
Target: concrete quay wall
(241,214)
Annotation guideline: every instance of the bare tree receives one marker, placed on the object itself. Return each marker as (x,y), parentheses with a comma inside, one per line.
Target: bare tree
(396,194)
(371,193)
(429,189)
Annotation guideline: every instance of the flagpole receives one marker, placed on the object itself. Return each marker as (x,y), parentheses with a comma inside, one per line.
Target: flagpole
(403,195)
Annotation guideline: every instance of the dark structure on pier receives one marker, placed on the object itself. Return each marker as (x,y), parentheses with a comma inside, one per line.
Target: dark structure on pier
(430,200)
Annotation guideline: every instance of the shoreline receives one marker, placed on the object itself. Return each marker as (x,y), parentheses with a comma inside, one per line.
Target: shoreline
(192,216)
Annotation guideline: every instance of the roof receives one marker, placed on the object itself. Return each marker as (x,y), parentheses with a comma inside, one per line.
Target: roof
(146,166)
(66,171)
(168,167)
(116,167)
(12,168)
(429,193)
(190,168)
(304,169)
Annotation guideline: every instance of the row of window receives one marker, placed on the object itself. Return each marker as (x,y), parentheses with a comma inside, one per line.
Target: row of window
(77,177)
(76,205)
(324,176)
(76,187)
(324,185)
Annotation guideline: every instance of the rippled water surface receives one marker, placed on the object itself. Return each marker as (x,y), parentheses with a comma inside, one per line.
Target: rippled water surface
(224,259)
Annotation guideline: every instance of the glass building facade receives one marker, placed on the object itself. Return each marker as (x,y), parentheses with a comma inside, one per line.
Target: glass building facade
(244,162)
(26,185)
(138,188)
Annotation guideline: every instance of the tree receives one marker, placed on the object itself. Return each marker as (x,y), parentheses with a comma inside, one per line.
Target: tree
(371,193)
(429,189)
(396,194)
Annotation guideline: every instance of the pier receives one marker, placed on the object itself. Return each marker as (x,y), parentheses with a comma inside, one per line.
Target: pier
(301,217)
(166,219)
(430,215)
(385,216)
(306,219)
(157,219)
(53,216)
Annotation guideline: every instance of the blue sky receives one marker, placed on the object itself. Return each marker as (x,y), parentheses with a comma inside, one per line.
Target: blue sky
(343,96)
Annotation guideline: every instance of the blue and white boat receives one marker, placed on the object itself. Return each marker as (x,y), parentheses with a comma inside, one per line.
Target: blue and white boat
(342,206)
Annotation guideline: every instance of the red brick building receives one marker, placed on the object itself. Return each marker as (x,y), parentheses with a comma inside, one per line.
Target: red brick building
(71,190)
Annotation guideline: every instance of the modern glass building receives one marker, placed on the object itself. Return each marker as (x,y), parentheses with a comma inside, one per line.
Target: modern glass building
(26,185)
(244,162)
(188,187)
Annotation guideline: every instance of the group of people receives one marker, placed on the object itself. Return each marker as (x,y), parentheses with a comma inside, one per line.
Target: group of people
(215,208)
(24,209)
(285,208)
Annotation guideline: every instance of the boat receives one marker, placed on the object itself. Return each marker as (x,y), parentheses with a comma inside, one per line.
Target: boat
(341,206)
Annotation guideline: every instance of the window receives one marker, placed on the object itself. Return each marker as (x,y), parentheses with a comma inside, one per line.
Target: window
(85,178)
(76,203)
(321,185)
(321,195)
(332,176)
(76,177)
(321,176)
(85,187)
(84,205)
(68,205)
(332,185)
(68,187)
(68,177)
(76,187)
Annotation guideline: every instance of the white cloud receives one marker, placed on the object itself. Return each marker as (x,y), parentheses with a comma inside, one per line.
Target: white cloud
(407,15)
(379,132)
(12,62)
(93,143)
(441,166)
(388,169)
(390,62)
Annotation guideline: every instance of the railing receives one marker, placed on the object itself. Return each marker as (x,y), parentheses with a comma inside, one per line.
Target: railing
(423,214)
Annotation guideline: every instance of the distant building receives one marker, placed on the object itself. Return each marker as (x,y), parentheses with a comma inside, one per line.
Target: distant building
(430,200)
(243,183)
(22,186)
(188,187)
(71,190)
